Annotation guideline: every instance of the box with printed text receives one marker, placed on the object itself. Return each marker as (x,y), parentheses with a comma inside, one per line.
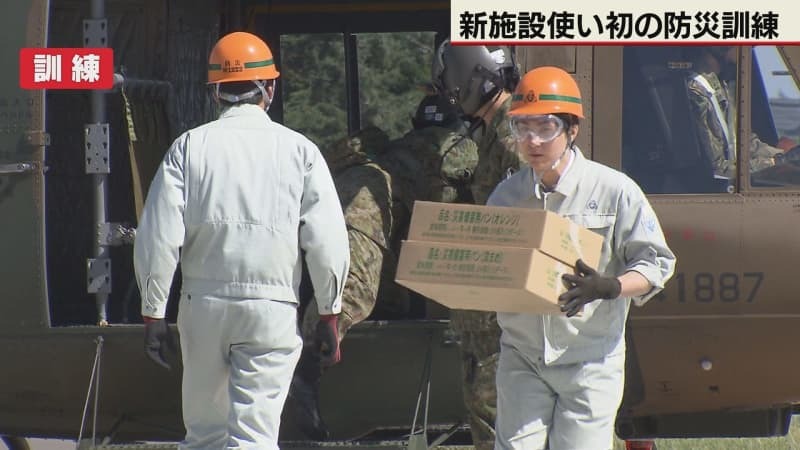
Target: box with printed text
(508,227)
(479,277)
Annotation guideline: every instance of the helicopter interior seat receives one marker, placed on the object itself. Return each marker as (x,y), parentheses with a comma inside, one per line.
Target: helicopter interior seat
(659,125)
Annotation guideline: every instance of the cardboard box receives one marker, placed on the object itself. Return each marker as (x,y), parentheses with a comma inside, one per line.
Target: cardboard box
(508,227)
(486,278)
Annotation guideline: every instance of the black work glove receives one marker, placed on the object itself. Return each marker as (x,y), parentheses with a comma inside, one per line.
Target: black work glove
(157,338)
(326,340)
(585,287)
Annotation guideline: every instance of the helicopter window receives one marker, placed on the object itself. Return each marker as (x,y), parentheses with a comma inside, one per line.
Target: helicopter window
(672,135)
(392,66)
(380,72)
(776,121)
(313,85)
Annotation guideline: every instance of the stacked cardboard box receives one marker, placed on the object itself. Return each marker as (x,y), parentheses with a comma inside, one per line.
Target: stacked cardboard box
(492,258)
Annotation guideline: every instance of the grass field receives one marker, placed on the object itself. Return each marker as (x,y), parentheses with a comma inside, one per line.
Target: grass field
(789,442)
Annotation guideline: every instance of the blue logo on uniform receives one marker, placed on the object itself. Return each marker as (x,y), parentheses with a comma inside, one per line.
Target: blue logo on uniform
(592,205)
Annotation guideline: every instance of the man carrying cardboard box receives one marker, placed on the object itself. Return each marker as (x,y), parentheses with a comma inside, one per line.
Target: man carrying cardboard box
(560,378)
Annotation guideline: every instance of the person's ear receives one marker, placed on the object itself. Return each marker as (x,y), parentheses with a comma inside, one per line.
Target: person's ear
(573,132)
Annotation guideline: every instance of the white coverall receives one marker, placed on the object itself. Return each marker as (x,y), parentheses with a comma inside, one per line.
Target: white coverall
(562,378)
(236,200)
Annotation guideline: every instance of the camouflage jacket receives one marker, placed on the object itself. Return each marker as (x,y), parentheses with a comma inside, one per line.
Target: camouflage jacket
(497,155)
(717,135)
(364,188)
(355,150)
(366,196)
(432,163)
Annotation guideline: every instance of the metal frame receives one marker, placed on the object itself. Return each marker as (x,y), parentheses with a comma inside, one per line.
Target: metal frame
(96,145)
(352,82)
(95,34)
(349,19)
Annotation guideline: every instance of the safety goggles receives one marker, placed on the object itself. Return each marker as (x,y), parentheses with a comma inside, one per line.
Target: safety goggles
(540,128)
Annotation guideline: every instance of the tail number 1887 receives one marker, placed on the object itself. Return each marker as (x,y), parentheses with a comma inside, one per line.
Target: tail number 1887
(706,287)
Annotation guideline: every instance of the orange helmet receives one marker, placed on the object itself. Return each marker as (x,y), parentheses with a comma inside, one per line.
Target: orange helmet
(241,56)
(546,90)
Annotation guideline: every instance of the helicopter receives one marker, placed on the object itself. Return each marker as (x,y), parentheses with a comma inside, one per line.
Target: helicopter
(708,357)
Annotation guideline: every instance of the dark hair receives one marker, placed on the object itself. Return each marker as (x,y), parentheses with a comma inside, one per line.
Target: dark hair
(569,120)
(239,88)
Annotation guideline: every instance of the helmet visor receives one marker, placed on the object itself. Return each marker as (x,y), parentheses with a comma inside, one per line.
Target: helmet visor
(540,128)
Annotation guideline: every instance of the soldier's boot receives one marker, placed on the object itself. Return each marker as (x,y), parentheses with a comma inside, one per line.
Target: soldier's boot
(304,397)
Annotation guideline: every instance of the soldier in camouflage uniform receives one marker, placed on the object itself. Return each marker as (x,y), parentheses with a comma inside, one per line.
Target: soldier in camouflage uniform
(377,182)
(712,96)
(480,80)
(365,192)
(435,161)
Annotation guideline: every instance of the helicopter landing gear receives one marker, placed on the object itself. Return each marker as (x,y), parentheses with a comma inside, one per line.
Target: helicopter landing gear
(15,443)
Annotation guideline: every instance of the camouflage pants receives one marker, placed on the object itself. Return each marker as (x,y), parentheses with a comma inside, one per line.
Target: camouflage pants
(371,276)
(480,350)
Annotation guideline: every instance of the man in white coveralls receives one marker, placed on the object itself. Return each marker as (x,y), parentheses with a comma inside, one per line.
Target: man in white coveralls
(236,200)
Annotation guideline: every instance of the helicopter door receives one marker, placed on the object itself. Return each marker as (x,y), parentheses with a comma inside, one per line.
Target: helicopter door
(22,145)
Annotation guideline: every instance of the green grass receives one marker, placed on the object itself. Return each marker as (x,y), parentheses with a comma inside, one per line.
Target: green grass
(789,442)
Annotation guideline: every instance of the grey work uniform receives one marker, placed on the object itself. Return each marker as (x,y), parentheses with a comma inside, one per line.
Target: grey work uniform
(562,378)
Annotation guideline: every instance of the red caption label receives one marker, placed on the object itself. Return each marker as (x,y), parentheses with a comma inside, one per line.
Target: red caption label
(66,68)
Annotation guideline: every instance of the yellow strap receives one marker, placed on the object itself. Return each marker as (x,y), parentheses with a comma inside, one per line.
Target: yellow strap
(138,195)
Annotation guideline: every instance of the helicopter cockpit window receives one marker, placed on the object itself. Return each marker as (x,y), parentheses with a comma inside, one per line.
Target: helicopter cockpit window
(775,121)
(678,122)
(313,84)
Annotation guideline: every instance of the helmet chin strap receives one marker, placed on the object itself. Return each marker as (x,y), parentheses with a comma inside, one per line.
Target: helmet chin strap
(267,99)
(479,121)
(537,177)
